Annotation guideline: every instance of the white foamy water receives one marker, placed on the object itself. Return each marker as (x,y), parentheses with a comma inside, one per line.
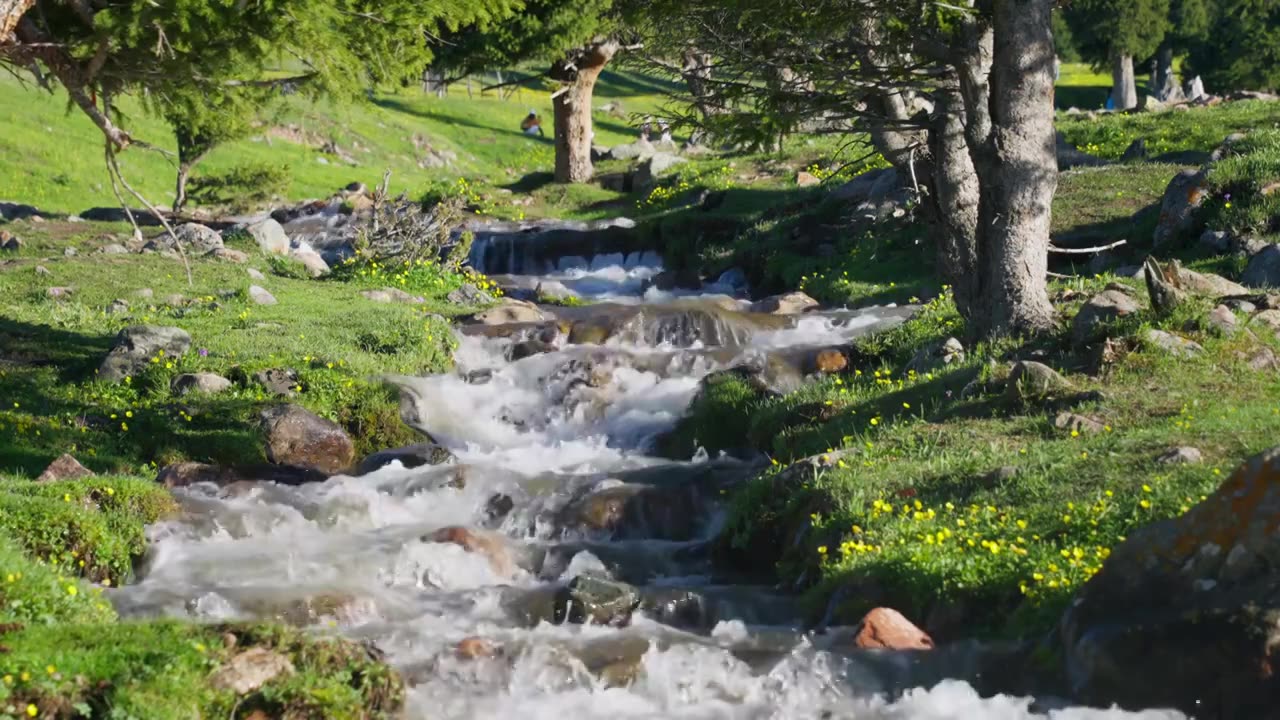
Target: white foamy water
(358,556)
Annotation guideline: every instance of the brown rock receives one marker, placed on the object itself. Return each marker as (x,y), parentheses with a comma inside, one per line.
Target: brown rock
(830,361)
(887,629)
(189,473)
(792,303)
(1222,320)
(807,179)
(251,669)
(64,468)
(1183,613)
(1101,309)
(470,648)
(492,545)
(231,255)
(296,436)
(1078,423)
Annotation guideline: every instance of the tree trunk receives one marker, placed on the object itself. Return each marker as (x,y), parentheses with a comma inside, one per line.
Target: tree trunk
(11,11)
(1164,86)
(180,191)
(572,108)
(953,203)
(1124,91)
(1005,78)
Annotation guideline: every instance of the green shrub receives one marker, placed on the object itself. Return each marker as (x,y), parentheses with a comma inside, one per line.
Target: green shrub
(37,593)
(243,185)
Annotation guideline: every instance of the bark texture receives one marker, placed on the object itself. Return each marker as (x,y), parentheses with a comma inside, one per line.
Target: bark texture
(11,11)
(1124,89)
(578,72)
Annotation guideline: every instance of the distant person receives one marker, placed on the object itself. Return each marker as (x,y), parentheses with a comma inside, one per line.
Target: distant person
(531,125)
(665,131)
(646,129)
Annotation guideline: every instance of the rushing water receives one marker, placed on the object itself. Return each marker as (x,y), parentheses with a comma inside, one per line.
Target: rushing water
(354,554)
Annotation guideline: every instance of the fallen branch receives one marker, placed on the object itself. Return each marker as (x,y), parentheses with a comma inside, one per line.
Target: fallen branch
(1088,250)
(114,168)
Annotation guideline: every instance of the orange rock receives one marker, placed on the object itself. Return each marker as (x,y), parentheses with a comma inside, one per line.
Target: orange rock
(830,361)
(64,468)
(887,629)
(473,647)
(491,545)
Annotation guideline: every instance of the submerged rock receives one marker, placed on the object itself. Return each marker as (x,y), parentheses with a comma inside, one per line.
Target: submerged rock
(411,456)
(596,599)
(493,546)
(792,303)
(1185,612)
(296,436)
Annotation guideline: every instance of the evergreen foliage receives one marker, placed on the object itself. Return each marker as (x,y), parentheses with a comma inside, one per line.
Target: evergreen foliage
(1103,28)
(1241,48)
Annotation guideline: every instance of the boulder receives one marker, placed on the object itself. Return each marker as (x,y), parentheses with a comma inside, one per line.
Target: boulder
(1173,344)
(1163,286)
(829,361)
(113,249)
(9,243)
(278,381)
(135,346)
(250,670)
(117,307)
(1222,320)
(806,179)
(469,294)
(209,383)
(184,474)
(1081,424)
(654,167)
(295,436)
(1263,269)
(492,545)
(175,300)
(887,629)
(1180,456)
(311,260)
(1267,318)
(196,239)
(1208,283)
(64,468)
(596,599)
(270,236)
(59,292)
(1103,308)
(792,303)
(1032,382)
(1185,193)
(256,274)
(260,296)
(392,295)
(1184,613)
(936,356)
(230,255)
(1261,358)
(410,456)
(510,311)
(472,648)
(1136,151)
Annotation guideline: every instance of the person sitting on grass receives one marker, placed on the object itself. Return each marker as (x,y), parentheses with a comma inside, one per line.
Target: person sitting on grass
(531,124)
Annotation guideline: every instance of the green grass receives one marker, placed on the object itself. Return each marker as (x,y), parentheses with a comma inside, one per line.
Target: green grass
(907,511)
(1196,130)
(337,341)
(1245,188)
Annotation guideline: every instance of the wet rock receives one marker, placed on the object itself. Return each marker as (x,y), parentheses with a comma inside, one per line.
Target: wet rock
(489,544)
(1184,612)
(251,669)
(315,265)
(829,361)
(510,311)
(64,468)
(1180,456)
(135,346)
(255,274)
(529,348)
(792,303)
(196,239)
(278,381)
(1185,193)
(685,279)
(887,629)
(392,295)
(231,255)
(1172,344)
(295,436)
(270,236)
(1101,309)
(1078,423)
(637,511)
(184,474)
(472,648)
(1033,382)
(1263,269)
(410,456)
(498,507)
(596,599)
(936,356)
(260,296)
(469,294)
(1222,320)
(209,383)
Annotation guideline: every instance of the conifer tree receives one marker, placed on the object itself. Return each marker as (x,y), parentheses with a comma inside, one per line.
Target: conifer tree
(1116,32)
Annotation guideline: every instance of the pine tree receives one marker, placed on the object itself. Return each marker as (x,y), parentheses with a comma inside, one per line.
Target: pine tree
(1114,33)
(1241,48)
